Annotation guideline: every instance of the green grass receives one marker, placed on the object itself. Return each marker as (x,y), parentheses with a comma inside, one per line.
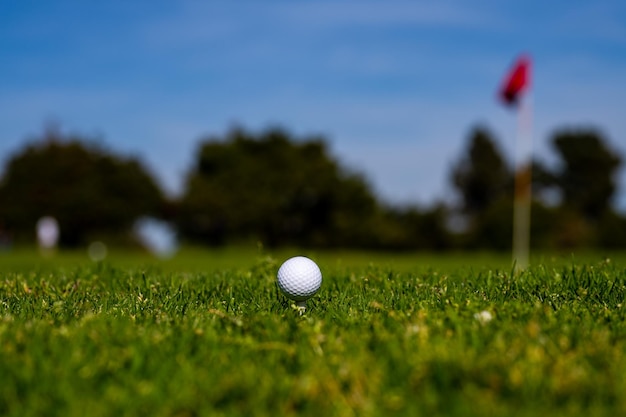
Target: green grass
(207,333)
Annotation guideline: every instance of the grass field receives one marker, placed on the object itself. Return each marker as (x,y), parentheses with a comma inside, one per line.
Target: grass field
(207,333)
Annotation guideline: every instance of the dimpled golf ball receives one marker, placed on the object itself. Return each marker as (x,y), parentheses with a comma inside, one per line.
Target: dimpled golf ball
(299,278)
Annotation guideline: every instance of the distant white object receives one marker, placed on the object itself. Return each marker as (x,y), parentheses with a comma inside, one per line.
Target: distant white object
(299,278)
(48,233)
(483,317)
(158,236)
(97,251)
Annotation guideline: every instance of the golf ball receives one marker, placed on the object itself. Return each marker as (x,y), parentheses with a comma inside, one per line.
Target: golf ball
(299,278)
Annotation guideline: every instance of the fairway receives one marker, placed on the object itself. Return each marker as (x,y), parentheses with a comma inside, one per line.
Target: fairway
(208,333)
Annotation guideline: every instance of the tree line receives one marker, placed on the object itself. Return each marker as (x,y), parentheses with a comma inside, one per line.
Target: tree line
(277,189)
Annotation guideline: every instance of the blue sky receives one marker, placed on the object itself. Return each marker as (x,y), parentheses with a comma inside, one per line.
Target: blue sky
(395,86)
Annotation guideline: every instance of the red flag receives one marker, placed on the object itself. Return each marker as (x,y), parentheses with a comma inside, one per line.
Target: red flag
(517,80)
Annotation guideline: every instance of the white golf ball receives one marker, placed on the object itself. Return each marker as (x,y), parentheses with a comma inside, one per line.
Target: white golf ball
(299,278)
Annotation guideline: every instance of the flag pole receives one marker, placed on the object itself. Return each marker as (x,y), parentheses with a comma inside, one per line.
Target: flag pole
(523,179)
(515,84)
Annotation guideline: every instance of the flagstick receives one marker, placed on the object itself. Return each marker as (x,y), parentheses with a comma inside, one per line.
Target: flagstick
(523,178)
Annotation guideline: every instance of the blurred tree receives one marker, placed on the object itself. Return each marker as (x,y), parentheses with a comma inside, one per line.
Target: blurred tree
(89,191)
(276,189)
(543,181)
(545,226)
(611,231)
(485,184)
(481,176)
(414,228)
(586,175)
(493,227)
